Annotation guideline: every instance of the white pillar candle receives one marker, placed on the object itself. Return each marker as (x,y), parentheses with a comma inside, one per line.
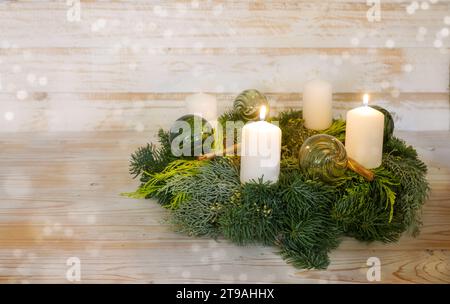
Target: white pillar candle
(203,105)
(364,135)
(260,150)
(317,105)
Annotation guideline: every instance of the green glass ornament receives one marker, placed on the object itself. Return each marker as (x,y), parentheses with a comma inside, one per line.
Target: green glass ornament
(192,130)
(388,123)
(248,104)
(323,156)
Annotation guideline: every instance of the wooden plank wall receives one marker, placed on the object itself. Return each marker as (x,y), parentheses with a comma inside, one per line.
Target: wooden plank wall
(128,65)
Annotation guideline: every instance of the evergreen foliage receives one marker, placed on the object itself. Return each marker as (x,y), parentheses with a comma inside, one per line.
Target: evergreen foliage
(150,159)
(305,219)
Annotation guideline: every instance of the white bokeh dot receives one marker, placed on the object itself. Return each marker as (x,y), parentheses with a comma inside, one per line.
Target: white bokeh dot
(204,259)
(132,66)
(68,232)
(136,48)
(390,43)
(56,226)
(10,87)
(47,231)
(92,219)
(139,27)
(16,68)
(422,30)
(139,127)
(195,4)
(337,61)
(226,278)
(424,5)
(385,84)
(94,27)
(243,277)
(43,81)
(31,78)
(195,248)
(17,253)
(19,185)
(8,116)
(157,10)
(408,68)
(168,33)
(345,55)
(115,22)
(5,44)
(218,9)
(447,20)
(437,43)
(186,274)
(444,32)
(410,10)
(22,94)
(101,23)
(395,93)
(152,26)
(181,8)
(354,41)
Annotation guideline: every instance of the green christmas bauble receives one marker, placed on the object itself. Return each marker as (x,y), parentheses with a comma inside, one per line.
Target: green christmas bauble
(388,123)
(193,135)
(323,156)
(248,104)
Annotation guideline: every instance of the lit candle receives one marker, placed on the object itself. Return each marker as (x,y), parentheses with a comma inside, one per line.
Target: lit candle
(203,105)
(260,150)
(317,105)
(364,135)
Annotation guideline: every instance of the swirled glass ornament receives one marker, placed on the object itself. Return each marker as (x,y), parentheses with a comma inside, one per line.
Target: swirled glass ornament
(388,123)
(249,102)
(323,156)
(194,131)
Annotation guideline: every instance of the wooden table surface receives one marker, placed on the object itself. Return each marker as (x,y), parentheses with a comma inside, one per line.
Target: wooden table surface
(59,198)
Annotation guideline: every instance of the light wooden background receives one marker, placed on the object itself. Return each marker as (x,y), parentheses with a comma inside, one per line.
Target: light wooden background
(126,68)
(128,65)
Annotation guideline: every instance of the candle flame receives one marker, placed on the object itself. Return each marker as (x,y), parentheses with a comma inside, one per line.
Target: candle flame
(262,112)
(366,99)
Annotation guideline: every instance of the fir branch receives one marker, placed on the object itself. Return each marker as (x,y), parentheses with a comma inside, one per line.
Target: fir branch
(337,129)
(254,216)
(150,158)
(413,188)
(398,147)
(309,232)
(155,186)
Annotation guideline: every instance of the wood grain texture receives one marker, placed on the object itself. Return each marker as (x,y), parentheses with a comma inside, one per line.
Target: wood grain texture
(260,24)
(59,198)
(140,58)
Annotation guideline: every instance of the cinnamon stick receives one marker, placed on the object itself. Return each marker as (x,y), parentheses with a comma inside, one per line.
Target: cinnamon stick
(360,169)
(214,154)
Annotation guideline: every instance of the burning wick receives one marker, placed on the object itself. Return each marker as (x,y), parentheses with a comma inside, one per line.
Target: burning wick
(366,99)
(262,113)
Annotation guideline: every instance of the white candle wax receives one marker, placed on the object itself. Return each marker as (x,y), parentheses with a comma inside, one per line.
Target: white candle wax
(317,105)
(364,135)
(203,105)
(260,152)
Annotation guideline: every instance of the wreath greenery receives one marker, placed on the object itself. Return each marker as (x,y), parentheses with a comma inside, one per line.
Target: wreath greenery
(304,218)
